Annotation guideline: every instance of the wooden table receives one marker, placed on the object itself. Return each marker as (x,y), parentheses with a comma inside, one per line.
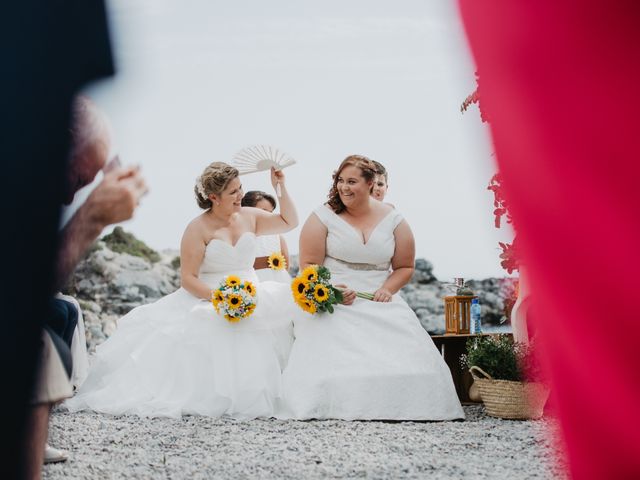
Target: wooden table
(452,347)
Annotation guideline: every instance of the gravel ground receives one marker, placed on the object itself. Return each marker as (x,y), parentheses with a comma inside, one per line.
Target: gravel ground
(198,447)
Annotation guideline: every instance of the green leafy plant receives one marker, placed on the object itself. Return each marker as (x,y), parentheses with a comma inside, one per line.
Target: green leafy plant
(120,241)
(502,358)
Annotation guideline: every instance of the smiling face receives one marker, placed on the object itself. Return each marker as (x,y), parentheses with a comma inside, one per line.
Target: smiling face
(379,188)
(229,200)
(352,187)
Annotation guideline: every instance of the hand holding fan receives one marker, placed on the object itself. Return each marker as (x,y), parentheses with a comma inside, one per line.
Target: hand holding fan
(258,158)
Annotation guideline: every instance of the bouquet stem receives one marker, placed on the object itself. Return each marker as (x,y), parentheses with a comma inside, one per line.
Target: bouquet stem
(365,295)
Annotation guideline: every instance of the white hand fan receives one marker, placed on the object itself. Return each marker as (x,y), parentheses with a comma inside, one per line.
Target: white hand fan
(258,158)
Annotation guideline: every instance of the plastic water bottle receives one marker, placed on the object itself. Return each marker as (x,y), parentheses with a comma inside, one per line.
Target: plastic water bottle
(475,317)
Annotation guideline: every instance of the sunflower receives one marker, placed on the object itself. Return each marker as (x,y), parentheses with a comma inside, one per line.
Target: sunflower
(307,305)
(234,300)
(232,281)
(310,274)
(299,287)
(277,261)
(321,293)
(250,309)
(249,288)
(232,319)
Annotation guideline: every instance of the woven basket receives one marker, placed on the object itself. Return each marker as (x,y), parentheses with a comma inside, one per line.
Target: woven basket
(509,399)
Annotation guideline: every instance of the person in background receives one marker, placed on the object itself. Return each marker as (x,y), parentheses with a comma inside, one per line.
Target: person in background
(114,200)
(380,182)
(272,255)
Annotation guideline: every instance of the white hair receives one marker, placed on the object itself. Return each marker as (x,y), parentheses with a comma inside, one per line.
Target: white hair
(89,126)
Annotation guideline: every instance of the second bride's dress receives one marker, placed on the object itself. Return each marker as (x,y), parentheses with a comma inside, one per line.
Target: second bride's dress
(177,356)
(369,360)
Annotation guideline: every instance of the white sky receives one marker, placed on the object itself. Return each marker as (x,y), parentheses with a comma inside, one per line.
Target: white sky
(199,80)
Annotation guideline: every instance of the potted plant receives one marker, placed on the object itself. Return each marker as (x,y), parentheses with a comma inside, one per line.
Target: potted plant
(507,375)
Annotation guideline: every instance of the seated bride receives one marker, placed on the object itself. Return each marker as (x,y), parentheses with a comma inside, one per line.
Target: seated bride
(370,359)
(179,355)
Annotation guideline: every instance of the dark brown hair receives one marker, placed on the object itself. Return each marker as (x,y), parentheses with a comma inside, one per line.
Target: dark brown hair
(380,170)
(252,197)
(368,173)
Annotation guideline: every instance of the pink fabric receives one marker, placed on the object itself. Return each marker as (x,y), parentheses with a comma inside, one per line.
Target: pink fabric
(559,82)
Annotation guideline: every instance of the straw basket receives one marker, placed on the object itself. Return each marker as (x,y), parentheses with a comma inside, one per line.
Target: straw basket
(509,399)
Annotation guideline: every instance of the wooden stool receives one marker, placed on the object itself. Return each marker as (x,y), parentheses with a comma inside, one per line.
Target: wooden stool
(457,314)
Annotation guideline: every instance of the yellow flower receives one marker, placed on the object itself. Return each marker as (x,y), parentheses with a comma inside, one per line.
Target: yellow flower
(277,261)
(249,288)
(250,309)
(234,300)
(310,274)
(321,293)
(299,286)
(307,305)
(232,281)
(232,319)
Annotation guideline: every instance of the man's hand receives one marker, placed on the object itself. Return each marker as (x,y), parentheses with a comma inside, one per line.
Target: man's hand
(116,197)
(114,200)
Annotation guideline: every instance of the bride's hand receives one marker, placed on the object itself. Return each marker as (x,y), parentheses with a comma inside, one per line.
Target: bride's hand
(348,295)
(277,177)
(382,295)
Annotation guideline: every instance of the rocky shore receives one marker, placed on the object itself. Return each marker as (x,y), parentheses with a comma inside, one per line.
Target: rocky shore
(120,272)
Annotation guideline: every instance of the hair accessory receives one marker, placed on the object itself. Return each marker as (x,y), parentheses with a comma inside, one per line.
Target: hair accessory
(200,188)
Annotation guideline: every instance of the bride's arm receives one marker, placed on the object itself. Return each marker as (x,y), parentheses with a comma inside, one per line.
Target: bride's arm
(313,249)
(287,219)
(192,250)
(403,263)
(313,239)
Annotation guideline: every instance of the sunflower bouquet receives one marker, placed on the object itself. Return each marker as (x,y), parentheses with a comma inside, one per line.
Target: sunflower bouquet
(235,299)
(313,292)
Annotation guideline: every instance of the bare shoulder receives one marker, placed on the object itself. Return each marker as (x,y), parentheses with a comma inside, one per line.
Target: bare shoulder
(196,229)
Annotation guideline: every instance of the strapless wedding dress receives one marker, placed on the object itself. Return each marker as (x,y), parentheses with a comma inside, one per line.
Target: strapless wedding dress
(177,356)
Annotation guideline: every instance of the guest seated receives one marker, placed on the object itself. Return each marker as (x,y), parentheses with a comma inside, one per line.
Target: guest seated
(271,249)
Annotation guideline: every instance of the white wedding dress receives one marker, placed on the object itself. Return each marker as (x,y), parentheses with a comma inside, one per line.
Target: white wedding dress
(369,360)
(177,356)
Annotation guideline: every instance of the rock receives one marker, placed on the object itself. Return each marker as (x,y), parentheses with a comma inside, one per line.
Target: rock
(431,322)
(109,284)
(423,273)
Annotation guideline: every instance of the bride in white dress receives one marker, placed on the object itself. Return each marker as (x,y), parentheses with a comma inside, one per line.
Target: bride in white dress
(369,359)
(178,356)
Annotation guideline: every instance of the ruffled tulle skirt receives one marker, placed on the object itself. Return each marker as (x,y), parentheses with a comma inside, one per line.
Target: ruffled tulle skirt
(177,356)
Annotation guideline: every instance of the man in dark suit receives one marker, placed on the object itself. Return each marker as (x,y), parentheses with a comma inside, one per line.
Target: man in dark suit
(49,50)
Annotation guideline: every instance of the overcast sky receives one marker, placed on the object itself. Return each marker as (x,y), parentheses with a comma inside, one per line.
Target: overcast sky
(199,80)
